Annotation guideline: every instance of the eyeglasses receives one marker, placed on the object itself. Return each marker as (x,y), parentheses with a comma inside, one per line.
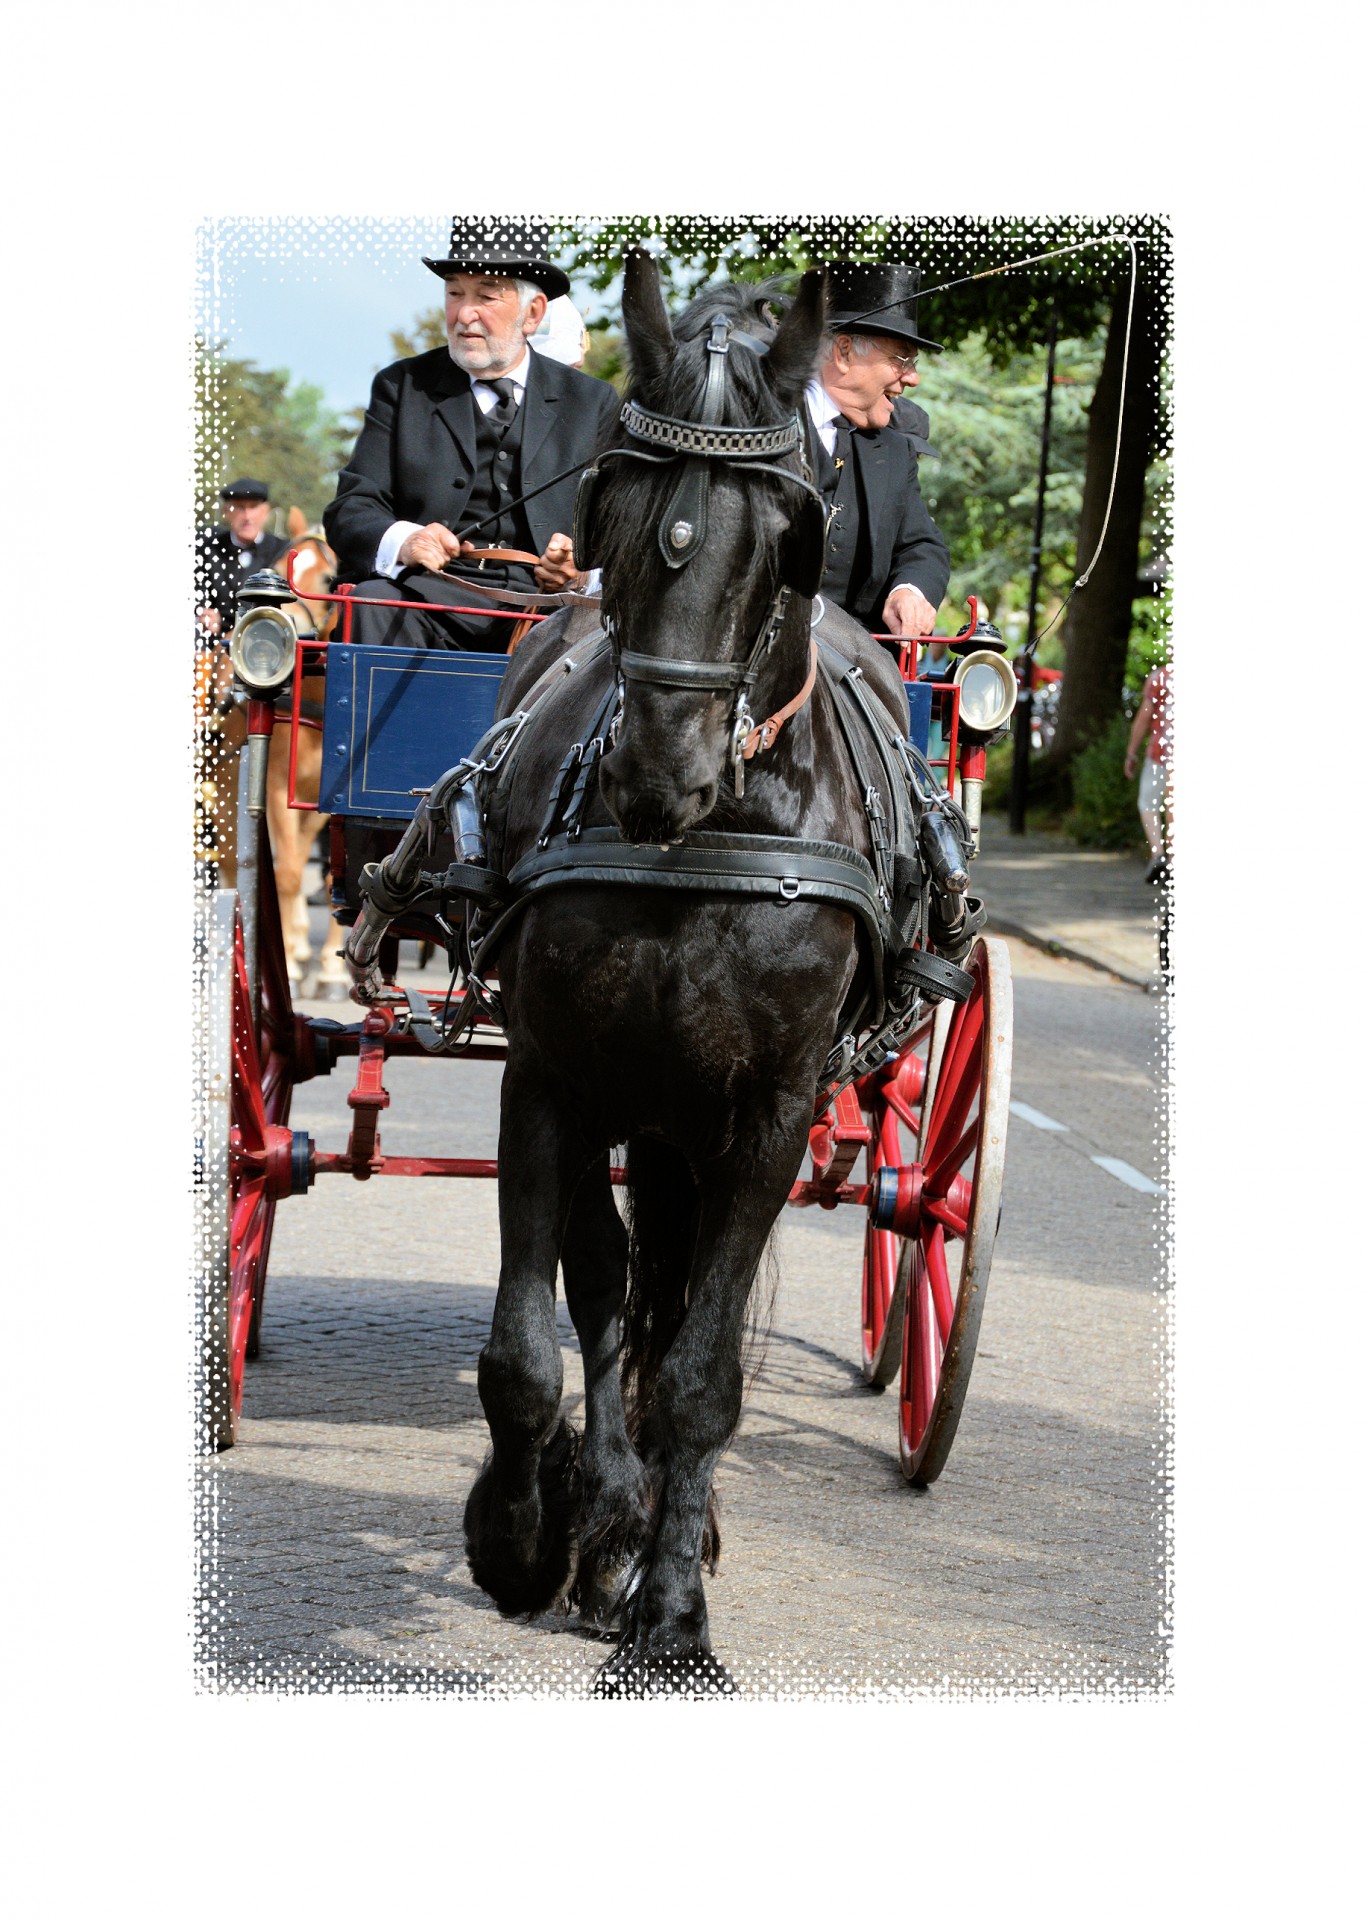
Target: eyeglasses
(903,363)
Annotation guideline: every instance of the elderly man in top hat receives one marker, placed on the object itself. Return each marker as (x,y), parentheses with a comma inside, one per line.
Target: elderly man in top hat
(887,564)
(463,441)
(226,556)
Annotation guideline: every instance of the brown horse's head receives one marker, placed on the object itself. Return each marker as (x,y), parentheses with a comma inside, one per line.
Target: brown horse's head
(314,568)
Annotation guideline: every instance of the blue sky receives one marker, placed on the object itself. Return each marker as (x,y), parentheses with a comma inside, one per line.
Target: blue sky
(320,296)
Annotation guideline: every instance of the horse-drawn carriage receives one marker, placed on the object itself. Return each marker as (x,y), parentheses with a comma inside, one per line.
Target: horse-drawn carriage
(718,1021)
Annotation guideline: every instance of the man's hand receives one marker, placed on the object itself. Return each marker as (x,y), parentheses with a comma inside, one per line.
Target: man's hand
(431,547)
(908,613)
(208,618)
(555,572)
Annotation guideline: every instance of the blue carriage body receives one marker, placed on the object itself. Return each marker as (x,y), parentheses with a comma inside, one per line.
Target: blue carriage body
(395,719)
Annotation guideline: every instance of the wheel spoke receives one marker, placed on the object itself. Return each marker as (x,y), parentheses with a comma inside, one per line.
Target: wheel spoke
(959,1081)
(928,1370)
(939,1277)
(939,1176)
(955,1224)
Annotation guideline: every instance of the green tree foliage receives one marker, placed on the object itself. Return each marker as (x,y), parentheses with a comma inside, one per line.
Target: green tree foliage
(428,330)
(253,421)
(1104,811)
(985,425)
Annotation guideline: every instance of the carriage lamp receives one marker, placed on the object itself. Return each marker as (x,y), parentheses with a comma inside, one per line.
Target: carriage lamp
(262,649)
(988,691)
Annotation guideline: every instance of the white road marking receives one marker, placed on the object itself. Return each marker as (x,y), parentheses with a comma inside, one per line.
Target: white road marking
(1123,1170)
(1035,1118)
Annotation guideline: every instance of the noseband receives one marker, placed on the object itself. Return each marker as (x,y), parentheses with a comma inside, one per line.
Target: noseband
(703,445)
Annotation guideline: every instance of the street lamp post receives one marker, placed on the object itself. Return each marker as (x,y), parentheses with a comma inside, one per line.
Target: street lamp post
(1021,745)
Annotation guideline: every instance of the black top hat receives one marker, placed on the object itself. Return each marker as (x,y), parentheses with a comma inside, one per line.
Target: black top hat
(882,299)
(245,490)
(516,249)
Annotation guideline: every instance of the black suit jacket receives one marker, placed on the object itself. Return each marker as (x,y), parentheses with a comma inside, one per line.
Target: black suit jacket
(415,457)
(219,571)
(905,545)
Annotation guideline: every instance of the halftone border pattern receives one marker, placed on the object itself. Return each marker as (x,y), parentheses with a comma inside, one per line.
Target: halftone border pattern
(944,247)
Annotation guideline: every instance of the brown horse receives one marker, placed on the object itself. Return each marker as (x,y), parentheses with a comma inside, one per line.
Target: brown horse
(292,832)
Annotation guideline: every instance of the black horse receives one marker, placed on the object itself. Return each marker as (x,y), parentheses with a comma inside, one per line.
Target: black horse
(694,1029)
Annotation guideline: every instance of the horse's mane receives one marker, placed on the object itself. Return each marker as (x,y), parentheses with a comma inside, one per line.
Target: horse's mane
(630,512)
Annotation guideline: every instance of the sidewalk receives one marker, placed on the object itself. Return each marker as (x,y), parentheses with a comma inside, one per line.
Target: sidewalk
(1075,901)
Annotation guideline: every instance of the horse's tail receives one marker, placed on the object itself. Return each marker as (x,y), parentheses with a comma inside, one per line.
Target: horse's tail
(662,1224)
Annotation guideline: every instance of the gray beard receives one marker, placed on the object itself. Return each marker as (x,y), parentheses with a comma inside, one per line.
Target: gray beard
(490,372)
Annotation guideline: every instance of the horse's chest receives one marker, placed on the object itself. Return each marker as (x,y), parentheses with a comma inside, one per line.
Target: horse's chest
(679,1009)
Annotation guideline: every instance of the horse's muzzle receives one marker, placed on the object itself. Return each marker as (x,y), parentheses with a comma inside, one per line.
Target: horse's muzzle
(649,812)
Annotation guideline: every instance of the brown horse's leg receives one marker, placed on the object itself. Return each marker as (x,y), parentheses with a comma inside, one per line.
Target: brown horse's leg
(287,858)
(221,761)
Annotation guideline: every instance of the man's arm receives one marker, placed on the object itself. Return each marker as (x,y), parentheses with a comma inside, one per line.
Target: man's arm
(362,513)
(1140,726)
(921,564)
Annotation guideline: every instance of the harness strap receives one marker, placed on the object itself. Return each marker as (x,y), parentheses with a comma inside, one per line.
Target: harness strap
(764,866)
(760,739)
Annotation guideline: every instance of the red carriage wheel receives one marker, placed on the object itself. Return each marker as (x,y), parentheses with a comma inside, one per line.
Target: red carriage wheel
(248,1156)
(950,1210)
(892,1101)
(275,1060)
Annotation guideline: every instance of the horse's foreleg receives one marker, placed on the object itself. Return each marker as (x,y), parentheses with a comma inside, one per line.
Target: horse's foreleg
(695,1405)
(616,1501)
(522,1513)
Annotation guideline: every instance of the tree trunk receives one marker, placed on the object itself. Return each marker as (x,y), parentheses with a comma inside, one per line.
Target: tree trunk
(1098,622)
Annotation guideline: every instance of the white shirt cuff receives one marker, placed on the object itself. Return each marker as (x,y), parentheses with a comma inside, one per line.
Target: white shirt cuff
(906,583)
(386,558)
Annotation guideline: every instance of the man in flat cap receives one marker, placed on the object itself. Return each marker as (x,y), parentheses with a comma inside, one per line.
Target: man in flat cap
(226,556)
(454,439)
(887,564)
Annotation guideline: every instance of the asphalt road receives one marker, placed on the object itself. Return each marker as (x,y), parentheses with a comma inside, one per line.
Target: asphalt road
(332,1533)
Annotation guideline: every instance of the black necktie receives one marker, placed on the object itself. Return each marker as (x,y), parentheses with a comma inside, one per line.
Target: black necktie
(507,406)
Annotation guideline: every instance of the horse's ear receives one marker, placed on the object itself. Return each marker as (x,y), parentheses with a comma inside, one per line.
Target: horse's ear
(650,341)
(296,524)
(792,358)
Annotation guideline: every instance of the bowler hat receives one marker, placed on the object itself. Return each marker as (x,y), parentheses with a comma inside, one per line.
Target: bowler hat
(875,299)
(516,249)
(245,490)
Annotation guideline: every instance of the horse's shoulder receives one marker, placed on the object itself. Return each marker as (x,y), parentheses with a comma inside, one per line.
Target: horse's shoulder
(876,663)
(527,679)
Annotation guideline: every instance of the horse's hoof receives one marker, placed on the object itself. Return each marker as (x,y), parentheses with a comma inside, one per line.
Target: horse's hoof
(525,1555)
(633,1676)
(602,1591)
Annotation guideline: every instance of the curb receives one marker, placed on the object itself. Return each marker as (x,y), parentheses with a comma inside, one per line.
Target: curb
(1061,950)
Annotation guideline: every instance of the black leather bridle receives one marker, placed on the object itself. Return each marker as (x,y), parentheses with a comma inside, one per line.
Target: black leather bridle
(703,445)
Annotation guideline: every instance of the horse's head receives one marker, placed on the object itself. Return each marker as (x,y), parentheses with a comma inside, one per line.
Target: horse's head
(710,550)
(315,565)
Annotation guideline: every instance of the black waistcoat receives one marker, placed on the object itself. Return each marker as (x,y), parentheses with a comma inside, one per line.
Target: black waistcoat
(847,557)
(496,481)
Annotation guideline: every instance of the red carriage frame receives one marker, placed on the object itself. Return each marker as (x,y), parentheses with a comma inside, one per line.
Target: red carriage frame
(929,1125)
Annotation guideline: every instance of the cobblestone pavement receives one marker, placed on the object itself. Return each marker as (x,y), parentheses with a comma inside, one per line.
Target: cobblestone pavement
(1035,1562)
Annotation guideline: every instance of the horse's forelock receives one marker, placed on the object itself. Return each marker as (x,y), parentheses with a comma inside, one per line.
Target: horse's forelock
(748,399)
